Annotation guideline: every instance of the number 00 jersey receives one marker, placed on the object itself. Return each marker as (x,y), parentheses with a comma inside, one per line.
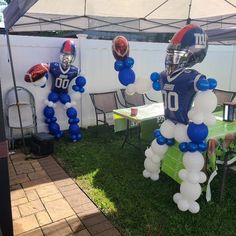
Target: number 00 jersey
(60,78)
(178,93)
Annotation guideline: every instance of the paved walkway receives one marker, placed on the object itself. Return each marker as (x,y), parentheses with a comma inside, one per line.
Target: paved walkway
(46,201)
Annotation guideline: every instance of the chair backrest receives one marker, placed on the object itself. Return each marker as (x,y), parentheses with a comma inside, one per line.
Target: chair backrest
(133,100)
(104,102)
(224,96)
(26,105)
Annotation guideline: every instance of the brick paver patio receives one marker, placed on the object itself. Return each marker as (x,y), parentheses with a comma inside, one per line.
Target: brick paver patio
(46,201)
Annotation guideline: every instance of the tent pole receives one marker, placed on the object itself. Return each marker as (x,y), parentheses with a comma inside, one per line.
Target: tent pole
(189,11)
(6,226)
(16,94)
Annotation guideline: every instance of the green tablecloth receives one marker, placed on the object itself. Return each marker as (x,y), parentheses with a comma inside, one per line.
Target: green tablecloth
(172,162)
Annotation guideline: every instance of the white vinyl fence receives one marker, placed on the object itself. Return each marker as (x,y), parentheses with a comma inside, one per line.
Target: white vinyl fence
(96,61)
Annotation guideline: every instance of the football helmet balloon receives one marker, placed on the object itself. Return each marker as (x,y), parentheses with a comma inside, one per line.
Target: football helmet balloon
(120,47)
(187,47)
(68,52)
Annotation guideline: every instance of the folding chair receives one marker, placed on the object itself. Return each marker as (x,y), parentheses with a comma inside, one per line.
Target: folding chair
(104,104)
(224,96)
(26,105)
(135,99)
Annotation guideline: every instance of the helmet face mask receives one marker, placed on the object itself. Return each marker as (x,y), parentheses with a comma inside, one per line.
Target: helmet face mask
(175,61)
(66,60)
(67,54)
(187,48)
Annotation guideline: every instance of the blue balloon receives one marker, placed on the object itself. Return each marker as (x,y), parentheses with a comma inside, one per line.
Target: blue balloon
(53,119)
(48,112)
(126,76)
(170,142)
(161,140)
(156,86)
(197,133)
(74,129)
(119,65)
(75,88)
(212,83)
(183,147)
(155,76)
(53,97)
(54,128)
(129,62)
(71,112)
(59,135)
(64,98)
(81,90)
(202,84)
(192,147)
(80,81)
(202,147)
(157,133)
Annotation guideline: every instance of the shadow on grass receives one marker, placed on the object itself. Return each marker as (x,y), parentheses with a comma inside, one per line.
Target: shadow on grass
(112,178)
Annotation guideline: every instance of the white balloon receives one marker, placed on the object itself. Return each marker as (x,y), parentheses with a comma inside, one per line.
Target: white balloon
(159,149)
(130,89)
(143,85)
(50,104)
(205,101)
(180,133)
(191,113)
(202,177)
(194,207)
(177,197)
(40,82)
(149,153)
(183,174)
(193,177)
(68,105)
(75,96)
(167,129)
(193,161)
(197,117)
(156,159)
(146,174)
(209,119)
(151,166)
(189,191)
(154,176)
(183,205)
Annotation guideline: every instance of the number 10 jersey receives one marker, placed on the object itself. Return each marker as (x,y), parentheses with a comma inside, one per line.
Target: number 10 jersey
(178,93)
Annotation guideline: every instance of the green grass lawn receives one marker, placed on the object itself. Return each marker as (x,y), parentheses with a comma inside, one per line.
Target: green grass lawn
(112,178)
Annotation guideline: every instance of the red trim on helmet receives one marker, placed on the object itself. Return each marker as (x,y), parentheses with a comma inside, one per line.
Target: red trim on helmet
(67,47)
(177,38)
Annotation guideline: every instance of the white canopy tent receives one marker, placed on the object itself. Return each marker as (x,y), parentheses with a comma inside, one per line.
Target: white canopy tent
(113,15)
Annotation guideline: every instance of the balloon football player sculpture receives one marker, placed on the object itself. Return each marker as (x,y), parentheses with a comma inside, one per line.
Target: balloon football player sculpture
(62,74)
(186,124)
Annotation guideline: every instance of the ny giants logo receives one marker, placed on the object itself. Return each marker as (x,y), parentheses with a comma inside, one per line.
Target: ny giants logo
(200,40)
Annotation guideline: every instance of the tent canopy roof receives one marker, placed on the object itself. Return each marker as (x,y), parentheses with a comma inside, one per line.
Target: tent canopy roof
(122,16)
(144,16)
